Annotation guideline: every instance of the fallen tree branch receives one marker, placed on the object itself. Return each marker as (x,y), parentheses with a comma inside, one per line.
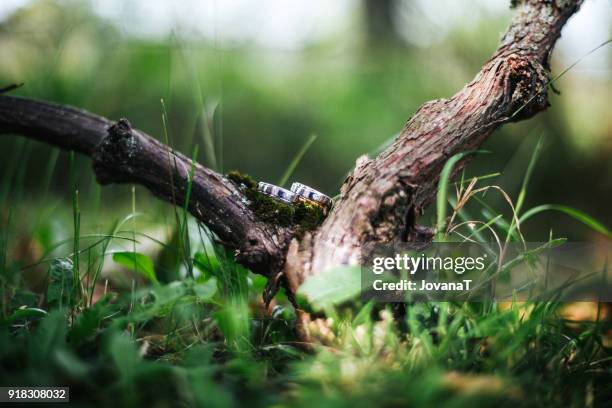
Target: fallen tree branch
(122,154)
(380,201)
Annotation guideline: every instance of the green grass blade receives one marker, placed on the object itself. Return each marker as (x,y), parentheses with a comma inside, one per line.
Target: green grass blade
(296,160)
(479,178)
(76,215)
(53,156)
(184,228)
(208,133)
(534,158)
(61,288)
(11,169)
(523,192)
(572,212)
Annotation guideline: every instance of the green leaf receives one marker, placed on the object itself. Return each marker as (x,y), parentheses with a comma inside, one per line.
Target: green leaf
(572,212)
(233,321)
(208,265)
(169,259)
(205,291)
(124,355)
(50,336)
(60,288)
(138,262)
(24,313)
(332,287)
(70,363)
(89,320)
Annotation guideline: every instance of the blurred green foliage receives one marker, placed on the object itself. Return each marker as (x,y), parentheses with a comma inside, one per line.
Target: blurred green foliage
(252,108)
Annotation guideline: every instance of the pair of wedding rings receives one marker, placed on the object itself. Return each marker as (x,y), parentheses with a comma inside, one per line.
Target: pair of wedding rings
(298,193)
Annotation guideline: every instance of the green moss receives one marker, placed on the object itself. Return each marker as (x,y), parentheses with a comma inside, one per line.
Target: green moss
(308,217)
(271,210)
(242,179)
(303,216)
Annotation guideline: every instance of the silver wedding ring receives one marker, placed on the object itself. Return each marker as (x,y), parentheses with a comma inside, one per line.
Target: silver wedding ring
(312,194)
(276,192)
(299,193)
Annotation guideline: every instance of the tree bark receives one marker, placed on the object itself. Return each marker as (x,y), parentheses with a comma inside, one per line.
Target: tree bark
(380,201)
(121,154)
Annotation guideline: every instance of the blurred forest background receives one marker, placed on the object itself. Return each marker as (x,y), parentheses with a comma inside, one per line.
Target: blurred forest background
(249,82)
(245,85)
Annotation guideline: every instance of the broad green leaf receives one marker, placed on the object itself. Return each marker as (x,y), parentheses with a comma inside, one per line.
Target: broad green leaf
(29,312)
(25,313)
(60,288)
(332,287)
(205,291)
(137,262)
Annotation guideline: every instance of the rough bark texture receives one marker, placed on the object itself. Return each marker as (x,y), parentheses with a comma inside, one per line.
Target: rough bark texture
(380,201)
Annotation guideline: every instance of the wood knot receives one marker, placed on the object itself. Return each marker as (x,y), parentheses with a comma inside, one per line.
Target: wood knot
(517,64)
(527,82)
(113,159)
(121,129)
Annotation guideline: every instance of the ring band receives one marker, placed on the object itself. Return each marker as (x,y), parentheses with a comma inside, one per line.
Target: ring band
(311,194)
(276,192)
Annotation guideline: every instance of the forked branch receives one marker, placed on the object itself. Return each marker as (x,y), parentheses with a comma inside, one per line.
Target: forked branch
(380,201)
